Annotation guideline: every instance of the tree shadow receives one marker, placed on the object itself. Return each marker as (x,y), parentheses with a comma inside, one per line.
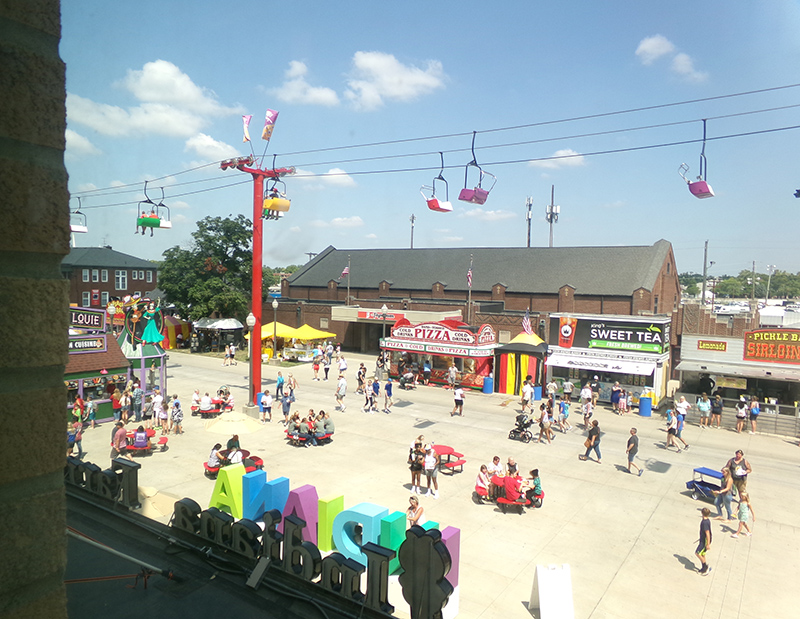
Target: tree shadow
(686,562)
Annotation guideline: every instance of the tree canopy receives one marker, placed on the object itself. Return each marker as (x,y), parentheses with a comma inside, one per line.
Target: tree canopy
(214,274)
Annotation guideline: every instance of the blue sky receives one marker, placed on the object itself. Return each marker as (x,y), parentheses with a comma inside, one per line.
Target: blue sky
(156,89)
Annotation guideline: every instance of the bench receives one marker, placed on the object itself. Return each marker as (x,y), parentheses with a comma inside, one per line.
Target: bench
(451,466)
(503,502)
(195,410)
(162,442)
(299,440)
(210,471)
(140,450)
(482,494)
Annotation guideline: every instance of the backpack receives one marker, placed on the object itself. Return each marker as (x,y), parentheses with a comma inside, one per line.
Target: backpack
(71,436)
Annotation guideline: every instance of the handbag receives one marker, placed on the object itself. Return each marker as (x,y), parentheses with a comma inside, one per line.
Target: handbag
(587,443)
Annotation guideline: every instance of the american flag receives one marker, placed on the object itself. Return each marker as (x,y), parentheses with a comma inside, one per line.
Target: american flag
(469,277)
(345,272)
(526,323)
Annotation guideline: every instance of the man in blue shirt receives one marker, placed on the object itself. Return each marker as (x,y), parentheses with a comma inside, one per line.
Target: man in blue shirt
(387,395)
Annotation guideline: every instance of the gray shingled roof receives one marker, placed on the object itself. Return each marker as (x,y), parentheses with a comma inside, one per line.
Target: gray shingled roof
(103,257)
(590,270)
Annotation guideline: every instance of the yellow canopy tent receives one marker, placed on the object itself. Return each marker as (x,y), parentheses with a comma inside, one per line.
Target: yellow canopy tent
(282,330)
(307,332)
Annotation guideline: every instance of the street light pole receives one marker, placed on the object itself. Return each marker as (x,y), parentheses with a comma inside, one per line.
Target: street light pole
(251,322)
(384,309)
(274,330)
(770,269)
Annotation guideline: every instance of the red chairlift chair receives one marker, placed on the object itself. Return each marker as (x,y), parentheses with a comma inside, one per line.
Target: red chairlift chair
(699,188)
(478,194)
(433,202)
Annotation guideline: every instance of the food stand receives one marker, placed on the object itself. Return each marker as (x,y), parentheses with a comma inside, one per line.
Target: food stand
(96,365)
(442,344)
(631,350)
(521,357)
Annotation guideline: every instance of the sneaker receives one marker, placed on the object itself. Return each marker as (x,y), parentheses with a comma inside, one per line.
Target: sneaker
(429,493)
(640,472)
(747,534)
(435,495)
(687,447)
(707,572)
(751,432)
(735,536)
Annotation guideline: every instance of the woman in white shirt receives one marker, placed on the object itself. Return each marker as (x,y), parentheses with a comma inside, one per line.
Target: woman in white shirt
(415,512)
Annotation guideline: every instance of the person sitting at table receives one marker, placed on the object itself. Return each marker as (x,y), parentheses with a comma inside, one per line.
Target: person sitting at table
(328,424)
(215,458)
(227,402)
(293,424)
(303,431)
(319,424)
(235,455)
(513,486)
(140,438)
(511,467)
(233,442)
(415,513)
(494,469)
(206,406)
(534,491)
(482,482)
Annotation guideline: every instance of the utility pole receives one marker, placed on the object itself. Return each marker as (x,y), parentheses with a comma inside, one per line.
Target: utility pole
(412,219)
(242,164)
(552,212)
(770,270)
(705,274)
(529,204)
(753,295)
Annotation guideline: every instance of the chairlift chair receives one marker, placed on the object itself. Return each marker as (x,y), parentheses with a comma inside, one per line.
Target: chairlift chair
(77,222)
(276,202)
(699,188)
(433,202)
(478,194)
(158,217)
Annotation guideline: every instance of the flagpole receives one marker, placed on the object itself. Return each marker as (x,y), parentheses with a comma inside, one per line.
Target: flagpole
(469,294)
(347,302)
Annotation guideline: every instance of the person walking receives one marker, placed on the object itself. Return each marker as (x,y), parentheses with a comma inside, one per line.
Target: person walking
(458,401)
(568,387)
(681,415)
(740,469)
(341,392)
(279,383)
(704,543)
(724,495)
(595,387)
(452,374)
(326,366)
(126,406)
(745,515)
(592,442)
(387,395)
(286,409)
(266,407)
(177,415)
(716,411)
(631,450)
(527,394)
(704,408)
(119,442)
(672,430)
(137,399)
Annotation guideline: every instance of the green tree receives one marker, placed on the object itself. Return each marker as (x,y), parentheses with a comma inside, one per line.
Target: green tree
(731,287)
(692,289)
(214,274)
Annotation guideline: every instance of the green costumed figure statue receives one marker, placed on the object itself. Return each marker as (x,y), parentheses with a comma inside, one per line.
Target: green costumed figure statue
(151,334)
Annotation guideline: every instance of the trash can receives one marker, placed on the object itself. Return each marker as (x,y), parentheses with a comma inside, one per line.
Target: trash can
(488,384)
(537,392)
(645,407)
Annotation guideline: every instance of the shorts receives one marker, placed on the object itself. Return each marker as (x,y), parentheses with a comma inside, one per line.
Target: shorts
(753,417)
(562,418)
(701,549)
(672,431)
(705,414)
(631,455)
(432,472)
(459,402)
(121,454)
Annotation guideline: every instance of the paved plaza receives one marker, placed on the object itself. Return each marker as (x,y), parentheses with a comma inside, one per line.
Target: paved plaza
(628,540)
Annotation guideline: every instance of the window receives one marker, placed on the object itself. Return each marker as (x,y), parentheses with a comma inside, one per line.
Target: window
(141,275)
(86,275)
(149,277)
(137,293)
(134,274)
(121,280)
(104,275)
(104,299)
(655,305)
(95,275)
(86,299)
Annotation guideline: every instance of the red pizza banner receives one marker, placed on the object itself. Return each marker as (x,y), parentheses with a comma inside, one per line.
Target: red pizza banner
(773,346)
(438,332)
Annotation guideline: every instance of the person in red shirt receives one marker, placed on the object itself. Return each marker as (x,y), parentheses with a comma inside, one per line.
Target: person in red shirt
(119,443)
(512,485)
(78,409)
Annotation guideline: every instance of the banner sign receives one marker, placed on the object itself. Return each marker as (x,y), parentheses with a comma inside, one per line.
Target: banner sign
(87,343)
(650,336)
(437,349)
(389,316)
(85,318)
(712,345)
(773,346)
(440,333)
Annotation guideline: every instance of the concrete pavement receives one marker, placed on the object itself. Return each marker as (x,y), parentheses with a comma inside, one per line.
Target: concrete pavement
(629,540)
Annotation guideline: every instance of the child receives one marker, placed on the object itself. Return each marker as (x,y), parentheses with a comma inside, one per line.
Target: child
(622,405)
(746,513)
(91,411)
(587,413)
(369,398)
(177,415)
(376,392)
(563,414)
(266,406)
(705,541)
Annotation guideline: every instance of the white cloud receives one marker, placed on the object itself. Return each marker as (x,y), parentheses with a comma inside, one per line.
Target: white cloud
(77,145)
(178,204)
(563,158)
(86,187)
(452,239)
(481,215)
(295,229)
(379,77)
(117,184)
(295,89)
(338,222)
(335,176)
(652,48)
(683,65)
(210,149)
(371,236)
(171,104)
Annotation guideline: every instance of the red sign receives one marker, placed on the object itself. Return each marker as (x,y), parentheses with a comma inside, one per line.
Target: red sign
(773,346)
(379,315)
(437,332)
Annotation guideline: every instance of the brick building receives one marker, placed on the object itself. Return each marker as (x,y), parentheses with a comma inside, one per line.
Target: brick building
(97,274)
(630,280)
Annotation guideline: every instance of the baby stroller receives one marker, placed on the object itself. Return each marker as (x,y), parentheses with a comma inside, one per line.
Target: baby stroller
(521,430)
